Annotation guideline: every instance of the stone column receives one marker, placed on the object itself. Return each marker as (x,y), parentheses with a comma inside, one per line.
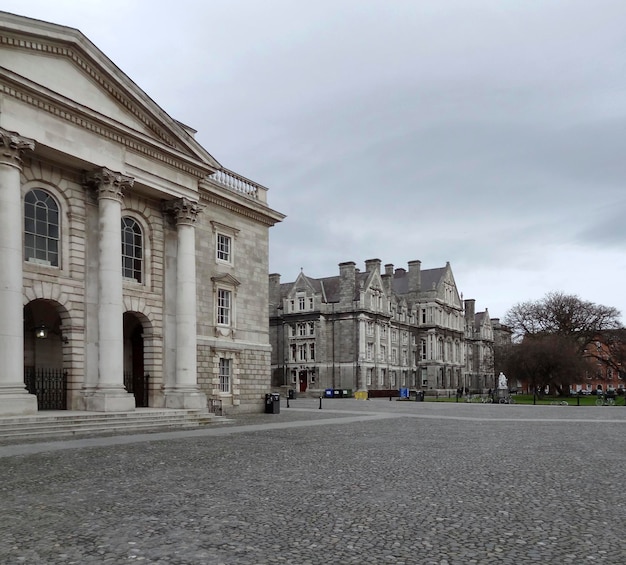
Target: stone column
(14,399)
(185,393)
(110,394)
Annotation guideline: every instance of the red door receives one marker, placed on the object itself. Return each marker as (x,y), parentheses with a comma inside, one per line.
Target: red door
(303,383)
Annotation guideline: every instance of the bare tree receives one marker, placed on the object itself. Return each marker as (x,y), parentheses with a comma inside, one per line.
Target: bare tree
(552,338)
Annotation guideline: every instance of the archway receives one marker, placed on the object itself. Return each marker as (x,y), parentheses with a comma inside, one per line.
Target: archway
(136,380)
(44,374)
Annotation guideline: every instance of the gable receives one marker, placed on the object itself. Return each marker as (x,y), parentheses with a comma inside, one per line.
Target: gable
(58,70)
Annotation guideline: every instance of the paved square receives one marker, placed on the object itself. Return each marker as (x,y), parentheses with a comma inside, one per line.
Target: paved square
(363,482)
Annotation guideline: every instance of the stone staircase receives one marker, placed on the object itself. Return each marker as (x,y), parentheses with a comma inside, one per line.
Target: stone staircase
(63,424)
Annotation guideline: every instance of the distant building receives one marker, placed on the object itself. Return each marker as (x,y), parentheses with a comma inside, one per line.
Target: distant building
(133,262)
(375,330)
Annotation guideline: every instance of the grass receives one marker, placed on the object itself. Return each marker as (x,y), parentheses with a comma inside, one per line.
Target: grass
(543,401)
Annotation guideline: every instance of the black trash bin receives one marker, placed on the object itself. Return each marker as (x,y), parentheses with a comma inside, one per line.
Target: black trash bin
(292,394)
(272,403)
(420,396)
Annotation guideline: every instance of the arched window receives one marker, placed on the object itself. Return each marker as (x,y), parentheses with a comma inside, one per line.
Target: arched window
(132,249)
(41,228)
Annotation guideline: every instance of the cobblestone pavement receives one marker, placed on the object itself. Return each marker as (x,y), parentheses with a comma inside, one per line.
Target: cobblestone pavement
(372,482)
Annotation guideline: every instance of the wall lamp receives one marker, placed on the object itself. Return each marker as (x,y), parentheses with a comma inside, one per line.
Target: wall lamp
(42,331)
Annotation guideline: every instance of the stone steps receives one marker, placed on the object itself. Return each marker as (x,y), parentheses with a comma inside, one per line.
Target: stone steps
(47,425)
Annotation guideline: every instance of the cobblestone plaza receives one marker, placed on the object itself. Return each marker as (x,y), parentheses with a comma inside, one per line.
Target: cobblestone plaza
(373,482)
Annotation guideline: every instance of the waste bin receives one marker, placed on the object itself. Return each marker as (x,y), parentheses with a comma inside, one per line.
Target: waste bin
(328,393)
(404,392)
(292,394)
(272,403)
(419,396)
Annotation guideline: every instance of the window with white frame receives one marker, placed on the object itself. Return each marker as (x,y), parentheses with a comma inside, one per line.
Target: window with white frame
(302,352)
(311,328)
(132,249)
(370,328)
(383,353)
(301,330)
(368,377)
(311,352)
(224,306)
(394,336)
(42,227)
(381,378)
(392,379)
(225,373)
(394,355)
(224,248)
(423,349)
(301,303)
(369,351)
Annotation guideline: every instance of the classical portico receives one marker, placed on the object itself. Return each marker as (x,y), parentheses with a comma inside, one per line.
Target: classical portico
(14,399)
(185,392)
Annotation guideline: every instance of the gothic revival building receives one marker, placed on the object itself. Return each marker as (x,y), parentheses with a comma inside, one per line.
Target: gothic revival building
(376,331)
(131,259)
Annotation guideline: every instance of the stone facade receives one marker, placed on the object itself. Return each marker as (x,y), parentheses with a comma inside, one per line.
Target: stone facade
(135,259)
(374,330)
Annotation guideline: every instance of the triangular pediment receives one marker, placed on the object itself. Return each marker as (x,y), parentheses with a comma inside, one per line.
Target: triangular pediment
(225,279)
(68,76)
(373,281)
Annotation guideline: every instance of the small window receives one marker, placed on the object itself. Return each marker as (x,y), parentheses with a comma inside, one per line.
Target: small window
(41,228)
(224,248)
(132,250)
(225,374)
(224,305)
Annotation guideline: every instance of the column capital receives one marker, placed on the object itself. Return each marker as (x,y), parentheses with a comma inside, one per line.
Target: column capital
(108,183)
(11,147)
(182,210)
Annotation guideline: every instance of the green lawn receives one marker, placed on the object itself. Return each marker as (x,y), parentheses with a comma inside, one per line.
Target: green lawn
(528,399)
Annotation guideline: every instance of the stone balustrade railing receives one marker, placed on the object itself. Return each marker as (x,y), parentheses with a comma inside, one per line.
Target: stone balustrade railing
(237,183)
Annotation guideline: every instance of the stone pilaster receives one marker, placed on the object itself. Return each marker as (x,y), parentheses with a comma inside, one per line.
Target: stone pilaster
(14,399)
(185,393)
(109,395)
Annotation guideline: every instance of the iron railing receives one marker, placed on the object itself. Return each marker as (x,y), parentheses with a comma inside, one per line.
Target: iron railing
(48,385)
(138,385)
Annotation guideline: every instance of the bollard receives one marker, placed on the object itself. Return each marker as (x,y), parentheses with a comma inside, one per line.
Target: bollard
(578,400)
(320,402)
(389,398)
(287,401)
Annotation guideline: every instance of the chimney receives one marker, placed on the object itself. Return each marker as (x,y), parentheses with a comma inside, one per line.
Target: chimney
(347,281)
(274,290)
(389,269)
(372,265)
(470,311)
(415,276)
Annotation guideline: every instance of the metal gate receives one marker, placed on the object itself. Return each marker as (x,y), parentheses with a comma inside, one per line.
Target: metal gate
(49,386)
(137,385)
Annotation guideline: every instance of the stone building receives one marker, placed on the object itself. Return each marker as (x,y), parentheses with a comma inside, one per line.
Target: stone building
(132,262)
(479,336)
(369,329)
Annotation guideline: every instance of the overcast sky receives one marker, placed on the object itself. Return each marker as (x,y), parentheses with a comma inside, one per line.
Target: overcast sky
(487,133)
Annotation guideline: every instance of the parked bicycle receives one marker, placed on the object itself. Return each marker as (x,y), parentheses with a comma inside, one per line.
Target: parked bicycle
(605,401)
(507,400)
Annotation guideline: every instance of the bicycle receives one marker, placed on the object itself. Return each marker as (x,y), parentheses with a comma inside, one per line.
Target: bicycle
(507,400)
(605,401)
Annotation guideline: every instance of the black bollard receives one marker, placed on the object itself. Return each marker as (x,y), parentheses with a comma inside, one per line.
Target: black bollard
(287,401)
(389,398)
(320,402)
(578,400)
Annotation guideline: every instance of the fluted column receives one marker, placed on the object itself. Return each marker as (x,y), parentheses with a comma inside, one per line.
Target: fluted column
(110,394)
(14,399)
(185,393)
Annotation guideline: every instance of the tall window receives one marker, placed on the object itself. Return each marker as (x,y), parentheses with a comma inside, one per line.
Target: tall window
(41,228)
(224,248)
(225,374)
(224,304)
(132,249)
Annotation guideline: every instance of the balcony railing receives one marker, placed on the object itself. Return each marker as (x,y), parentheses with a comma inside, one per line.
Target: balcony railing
(237,183)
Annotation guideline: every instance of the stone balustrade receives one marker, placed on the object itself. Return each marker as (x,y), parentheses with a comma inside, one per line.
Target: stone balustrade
(240,184)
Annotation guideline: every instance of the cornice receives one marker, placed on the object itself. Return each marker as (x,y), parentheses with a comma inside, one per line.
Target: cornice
(269,219)
(59,109)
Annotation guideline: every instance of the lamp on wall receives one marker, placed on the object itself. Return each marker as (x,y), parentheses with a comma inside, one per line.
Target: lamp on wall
(42,331)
